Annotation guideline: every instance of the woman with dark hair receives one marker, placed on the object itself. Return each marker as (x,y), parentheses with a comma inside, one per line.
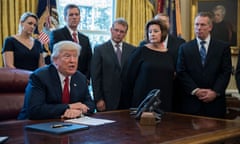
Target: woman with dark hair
(22,51)
(149,67)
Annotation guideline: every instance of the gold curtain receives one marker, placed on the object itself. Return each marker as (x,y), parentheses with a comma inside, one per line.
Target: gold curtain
(10,12)
(137,13)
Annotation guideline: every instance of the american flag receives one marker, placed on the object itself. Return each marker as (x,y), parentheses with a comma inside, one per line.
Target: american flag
(47,12)
(43,37)
(172,8)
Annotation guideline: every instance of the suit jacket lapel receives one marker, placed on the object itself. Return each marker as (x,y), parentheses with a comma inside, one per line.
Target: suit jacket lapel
(67,34)
(80,39)
(196,52)
(210,52)
(56,82)
(125,53)
(74,88)
(112,53)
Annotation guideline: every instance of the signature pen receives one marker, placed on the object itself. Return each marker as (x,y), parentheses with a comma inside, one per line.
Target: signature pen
(61,125)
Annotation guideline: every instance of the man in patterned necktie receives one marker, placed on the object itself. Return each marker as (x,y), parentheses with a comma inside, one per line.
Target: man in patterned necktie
(107,65)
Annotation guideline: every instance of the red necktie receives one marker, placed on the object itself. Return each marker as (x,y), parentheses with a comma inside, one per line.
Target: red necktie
(66,94)
(75,37)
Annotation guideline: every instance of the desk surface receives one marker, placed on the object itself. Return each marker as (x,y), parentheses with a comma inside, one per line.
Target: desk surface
(173,129)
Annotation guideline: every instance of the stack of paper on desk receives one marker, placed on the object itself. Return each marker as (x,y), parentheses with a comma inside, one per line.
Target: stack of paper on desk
(85,120)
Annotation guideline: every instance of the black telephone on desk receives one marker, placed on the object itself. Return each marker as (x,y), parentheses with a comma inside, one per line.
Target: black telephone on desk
(150,104)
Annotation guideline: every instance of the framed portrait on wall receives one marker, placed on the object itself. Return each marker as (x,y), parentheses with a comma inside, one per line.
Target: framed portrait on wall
(226,21)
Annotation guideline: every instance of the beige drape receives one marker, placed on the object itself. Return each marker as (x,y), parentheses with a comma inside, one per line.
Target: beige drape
(137,13)
(10,12)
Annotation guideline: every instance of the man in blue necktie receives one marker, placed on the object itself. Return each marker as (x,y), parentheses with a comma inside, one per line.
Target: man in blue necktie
(204,85)
(203,52)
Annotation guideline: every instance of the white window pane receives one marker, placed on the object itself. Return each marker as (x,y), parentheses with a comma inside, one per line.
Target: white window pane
(96,18)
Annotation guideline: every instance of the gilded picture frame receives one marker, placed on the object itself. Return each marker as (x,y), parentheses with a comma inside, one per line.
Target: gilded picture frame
(232,8)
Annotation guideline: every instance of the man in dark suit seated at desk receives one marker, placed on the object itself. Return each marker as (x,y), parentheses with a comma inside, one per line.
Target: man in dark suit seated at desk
(58,90)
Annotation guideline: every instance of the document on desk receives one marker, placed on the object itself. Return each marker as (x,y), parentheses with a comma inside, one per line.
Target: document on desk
(85,120)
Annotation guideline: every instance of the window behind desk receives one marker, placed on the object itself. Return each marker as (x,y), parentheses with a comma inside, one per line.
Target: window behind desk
(96,18)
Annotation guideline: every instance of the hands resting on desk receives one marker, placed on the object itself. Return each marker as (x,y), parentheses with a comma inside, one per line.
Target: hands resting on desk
(75,110)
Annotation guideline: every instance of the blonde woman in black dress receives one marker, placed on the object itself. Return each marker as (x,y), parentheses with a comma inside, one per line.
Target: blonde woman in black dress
(22,51)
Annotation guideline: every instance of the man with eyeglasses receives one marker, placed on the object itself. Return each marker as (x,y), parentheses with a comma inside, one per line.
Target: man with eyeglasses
(107,64)
(204,67)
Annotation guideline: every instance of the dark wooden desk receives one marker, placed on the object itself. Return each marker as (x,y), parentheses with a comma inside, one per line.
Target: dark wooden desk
(173,129)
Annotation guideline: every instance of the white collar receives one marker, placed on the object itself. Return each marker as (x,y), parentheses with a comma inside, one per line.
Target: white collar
(114,43)
(207,40)
(71,31)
